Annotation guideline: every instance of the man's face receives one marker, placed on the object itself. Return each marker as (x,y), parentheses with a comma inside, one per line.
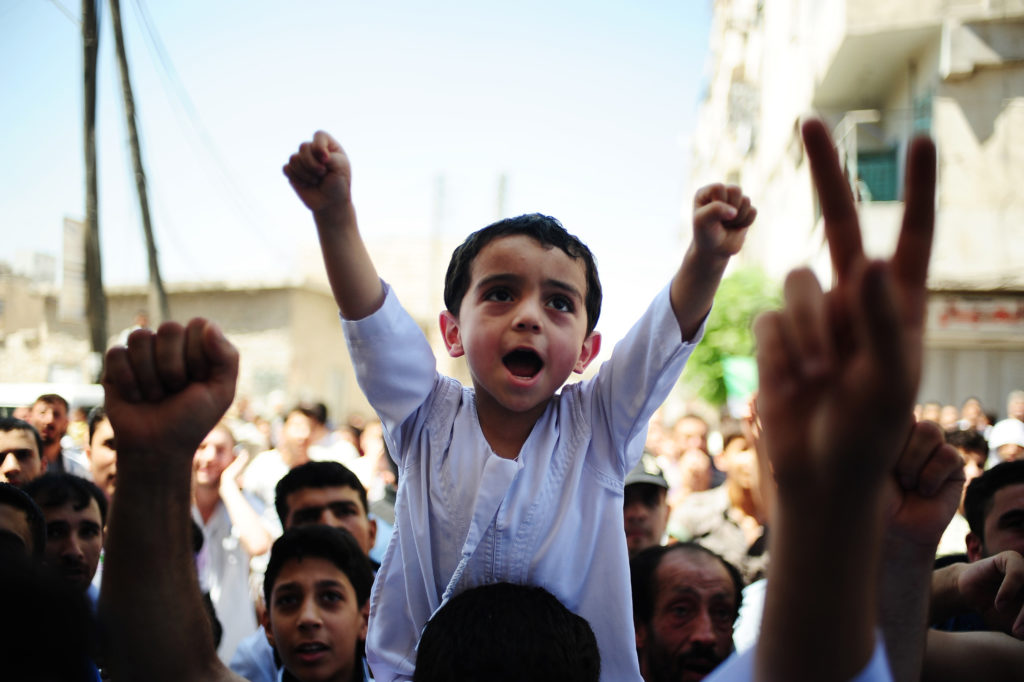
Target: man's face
(15,530)
(51,421)
(646,514)
(1015,408)
(522,324)
(314,620)
(214,454)
(20,460)
(74,538)
(739,462)
(296,435)
(691,434)
(1004,524)
(102,453)
(690,632)
(336,506)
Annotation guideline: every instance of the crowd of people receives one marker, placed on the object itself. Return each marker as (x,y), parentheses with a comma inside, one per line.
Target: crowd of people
(522,528)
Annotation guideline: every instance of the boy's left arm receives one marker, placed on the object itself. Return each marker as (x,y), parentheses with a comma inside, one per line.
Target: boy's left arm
(721,217)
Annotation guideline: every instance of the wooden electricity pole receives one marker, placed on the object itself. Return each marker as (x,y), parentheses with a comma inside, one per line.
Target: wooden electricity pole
(159,310)
(95,299)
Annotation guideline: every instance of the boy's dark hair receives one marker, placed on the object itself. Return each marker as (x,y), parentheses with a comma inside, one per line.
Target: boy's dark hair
(15,497)
(982,490)
(316,475)
(57,489)
(970,440)
(506,633)
(548,232)
(644,565)
(8,424)
(96,417)
(320,542)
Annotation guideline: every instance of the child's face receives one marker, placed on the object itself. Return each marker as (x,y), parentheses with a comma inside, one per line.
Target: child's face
(314,620)
(523,323)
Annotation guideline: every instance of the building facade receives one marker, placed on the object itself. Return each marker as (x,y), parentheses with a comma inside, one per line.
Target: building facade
(879,73)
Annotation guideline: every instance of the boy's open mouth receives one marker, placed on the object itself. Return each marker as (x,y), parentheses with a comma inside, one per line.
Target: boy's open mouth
(523,363)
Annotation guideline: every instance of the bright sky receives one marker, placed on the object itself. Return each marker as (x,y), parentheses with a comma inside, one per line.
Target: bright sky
(584,106)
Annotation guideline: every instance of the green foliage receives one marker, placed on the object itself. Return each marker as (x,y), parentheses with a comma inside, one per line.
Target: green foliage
(741,296)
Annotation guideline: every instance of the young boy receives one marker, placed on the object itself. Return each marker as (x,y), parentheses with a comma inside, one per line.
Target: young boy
(510,480)
(316,589)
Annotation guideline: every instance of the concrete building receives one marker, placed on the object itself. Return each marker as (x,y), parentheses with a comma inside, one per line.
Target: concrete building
(878,73)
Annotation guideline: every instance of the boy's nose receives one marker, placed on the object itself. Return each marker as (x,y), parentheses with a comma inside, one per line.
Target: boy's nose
(527,317)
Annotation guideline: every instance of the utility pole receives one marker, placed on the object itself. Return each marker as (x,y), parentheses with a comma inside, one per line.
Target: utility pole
(159,310)
(95,298)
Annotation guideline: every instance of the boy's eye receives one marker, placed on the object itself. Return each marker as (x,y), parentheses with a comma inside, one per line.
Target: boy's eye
(286,600)
(331,597)
(561,304)
(499,295)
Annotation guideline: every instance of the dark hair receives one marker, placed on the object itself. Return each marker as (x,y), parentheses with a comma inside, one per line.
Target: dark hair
(969,440)
(548,232)
(644,565)
(982,490)
(52,399)
(57,489)
(8,424)
(507,633)
(15,497)
(96,417)
(316,475)
(321,542)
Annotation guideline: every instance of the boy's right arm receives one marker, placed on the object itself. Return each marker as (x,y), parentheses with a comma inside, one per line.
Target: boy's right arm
(321,175)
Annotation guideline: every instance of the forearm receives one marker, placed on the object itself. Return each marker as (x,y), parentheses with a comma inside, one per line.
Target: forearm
(822,580)
(903,605)
(945,600)
(693,289)
(154,622)
(989,656)
(254,537)
(350,271)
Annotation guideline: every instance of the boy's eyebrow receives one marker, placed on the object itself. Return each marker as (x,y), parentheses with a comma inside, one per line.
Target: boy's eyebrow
(510,277)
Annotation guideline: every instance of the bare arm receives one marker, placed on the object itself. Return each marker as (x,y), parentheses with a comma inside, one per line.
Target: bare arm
(721,216)
(321,175)
(958,656)
(164,393)
(838,376)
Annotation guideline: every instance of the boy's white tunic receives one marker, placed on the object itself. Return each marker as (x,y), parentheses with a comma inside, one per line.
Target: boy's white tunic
(466,517)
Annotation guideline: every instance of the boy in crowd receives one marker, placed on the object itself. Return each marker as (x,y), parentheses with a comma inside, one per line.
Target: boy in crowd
(317,590)
(510,480)
(314,493)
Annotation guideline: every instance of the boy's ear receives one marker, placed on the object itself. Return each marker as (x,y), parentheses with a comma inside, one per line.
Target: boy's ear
(265,622)
(591,347)
(450,333)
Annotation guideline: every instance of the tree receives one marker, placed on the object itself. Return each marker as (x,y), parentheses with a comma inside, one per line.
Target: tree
(741,296)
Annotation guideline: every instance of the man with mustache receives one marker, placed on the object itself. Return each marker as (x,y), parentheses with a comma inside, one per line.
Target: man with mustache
(685,602)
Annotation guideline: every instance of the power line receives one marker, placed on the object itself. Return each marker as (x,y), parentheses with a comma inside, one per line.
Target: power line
(180,93)
(66,12)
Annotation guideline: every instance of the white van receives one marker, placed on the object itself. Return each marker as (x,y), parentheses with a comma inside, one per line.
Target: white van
(13,395)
